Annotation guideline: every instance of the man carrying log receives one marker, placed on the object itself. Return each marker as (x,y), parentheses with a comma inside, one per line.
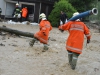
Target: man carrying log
(42,35)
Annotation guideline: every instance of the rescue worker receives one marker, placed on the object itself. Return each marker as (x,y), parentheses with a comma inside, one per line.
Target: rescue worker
(42,35)
(24,13)
(17,13)
(74,43)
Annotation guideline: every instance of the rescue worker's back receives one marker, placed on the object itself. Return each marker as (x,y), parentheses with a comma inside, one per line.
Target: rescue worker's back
(74,43)
(24,12)
(45,27)
(42,35)
(77,29)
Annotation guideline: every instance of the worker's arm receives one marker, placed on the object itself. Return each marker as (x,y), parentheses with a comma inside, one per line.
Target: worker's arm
(66,26)
(87,33)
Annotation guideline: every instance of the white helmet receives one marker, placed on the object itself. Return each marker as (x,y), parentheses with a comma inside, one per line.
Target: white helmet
(75,14)
(17,4)
(42,15)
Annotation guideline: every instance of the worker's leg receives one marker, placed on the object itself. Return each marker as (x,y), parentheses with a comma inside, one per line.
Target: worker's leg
(45,46)
(16,18)
(23,19)
(63,22)
(70,56)
(31,43)
(74,60)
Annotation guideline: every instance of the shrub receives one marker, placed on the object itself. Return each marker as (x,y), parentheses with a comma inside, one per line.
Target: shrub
(62,5)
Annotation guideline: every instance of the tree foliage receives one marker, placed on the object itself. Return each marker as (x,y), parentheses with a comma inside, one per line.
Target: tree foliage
(82,5)
(62,5)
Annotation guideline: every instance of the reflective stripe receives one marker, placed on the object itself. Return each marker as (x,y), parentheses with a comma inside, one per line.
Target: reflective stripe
(47,26)
(17,9)
(41,38)
(74,49)
(77,29)
(75,58)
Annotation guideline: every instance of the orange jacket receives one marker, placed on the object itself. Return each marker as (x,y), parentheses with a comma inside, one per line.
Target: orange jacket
(24,12)
(43,34)
(76,29)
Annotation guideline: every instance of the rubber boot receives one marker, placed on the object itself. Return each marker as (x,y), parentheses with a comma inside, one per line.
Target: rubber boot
(45,47)
(31,43)
(74,60)
(70,54)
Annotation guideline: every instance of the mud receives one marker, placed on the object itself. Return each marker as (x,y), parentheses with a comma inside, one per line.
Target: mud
(18,58)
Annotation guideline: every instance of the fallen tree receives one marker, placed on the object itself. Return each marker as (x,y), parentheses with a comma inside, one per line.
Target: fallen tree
(17,32)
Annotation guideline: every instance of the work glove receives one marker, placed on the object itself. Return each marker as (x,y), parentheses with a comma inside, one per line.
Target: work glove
(60,29)
(88,41)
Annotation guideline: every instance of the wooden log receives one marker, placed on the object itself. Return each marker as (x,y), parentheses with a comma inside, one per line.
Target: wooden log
(17,32)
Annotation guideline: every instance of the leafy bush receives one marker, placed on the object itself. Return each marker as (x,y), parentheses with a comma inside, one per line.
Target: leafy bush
(62,5)
(83,5)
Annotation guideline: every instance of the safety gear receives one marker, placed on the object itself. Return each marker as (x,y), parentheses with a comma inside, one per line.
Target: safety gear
(70,54)
(75,14)
(42,16)
(45,27)
(44,19)
(61,30)
(73,57)
(17,4)
(88,41)
(31,43)
(17,12)
(45,47)
(24,12)
(76,29)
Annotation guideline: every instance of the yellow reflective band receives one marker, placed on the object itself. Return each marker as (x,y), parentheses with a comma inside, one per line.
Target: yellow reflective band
(74,49)
(41,38)
(77,29)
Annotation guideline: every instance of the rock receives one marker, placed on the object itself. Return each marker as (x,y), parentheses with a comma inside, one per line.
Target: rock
(2,44)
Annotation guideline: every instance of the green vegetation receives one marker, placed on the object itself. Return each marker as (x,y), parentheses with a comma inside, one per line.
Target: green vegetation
(62,5)
(69,7)
(82,5)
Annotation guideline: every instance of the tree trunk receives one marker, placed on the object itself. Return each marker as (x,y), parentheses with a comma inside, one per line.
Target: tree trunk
(27,34)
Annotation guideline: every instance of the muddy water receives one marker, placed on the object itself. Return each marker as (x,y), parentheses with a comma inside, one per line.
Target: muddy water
(18,58)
